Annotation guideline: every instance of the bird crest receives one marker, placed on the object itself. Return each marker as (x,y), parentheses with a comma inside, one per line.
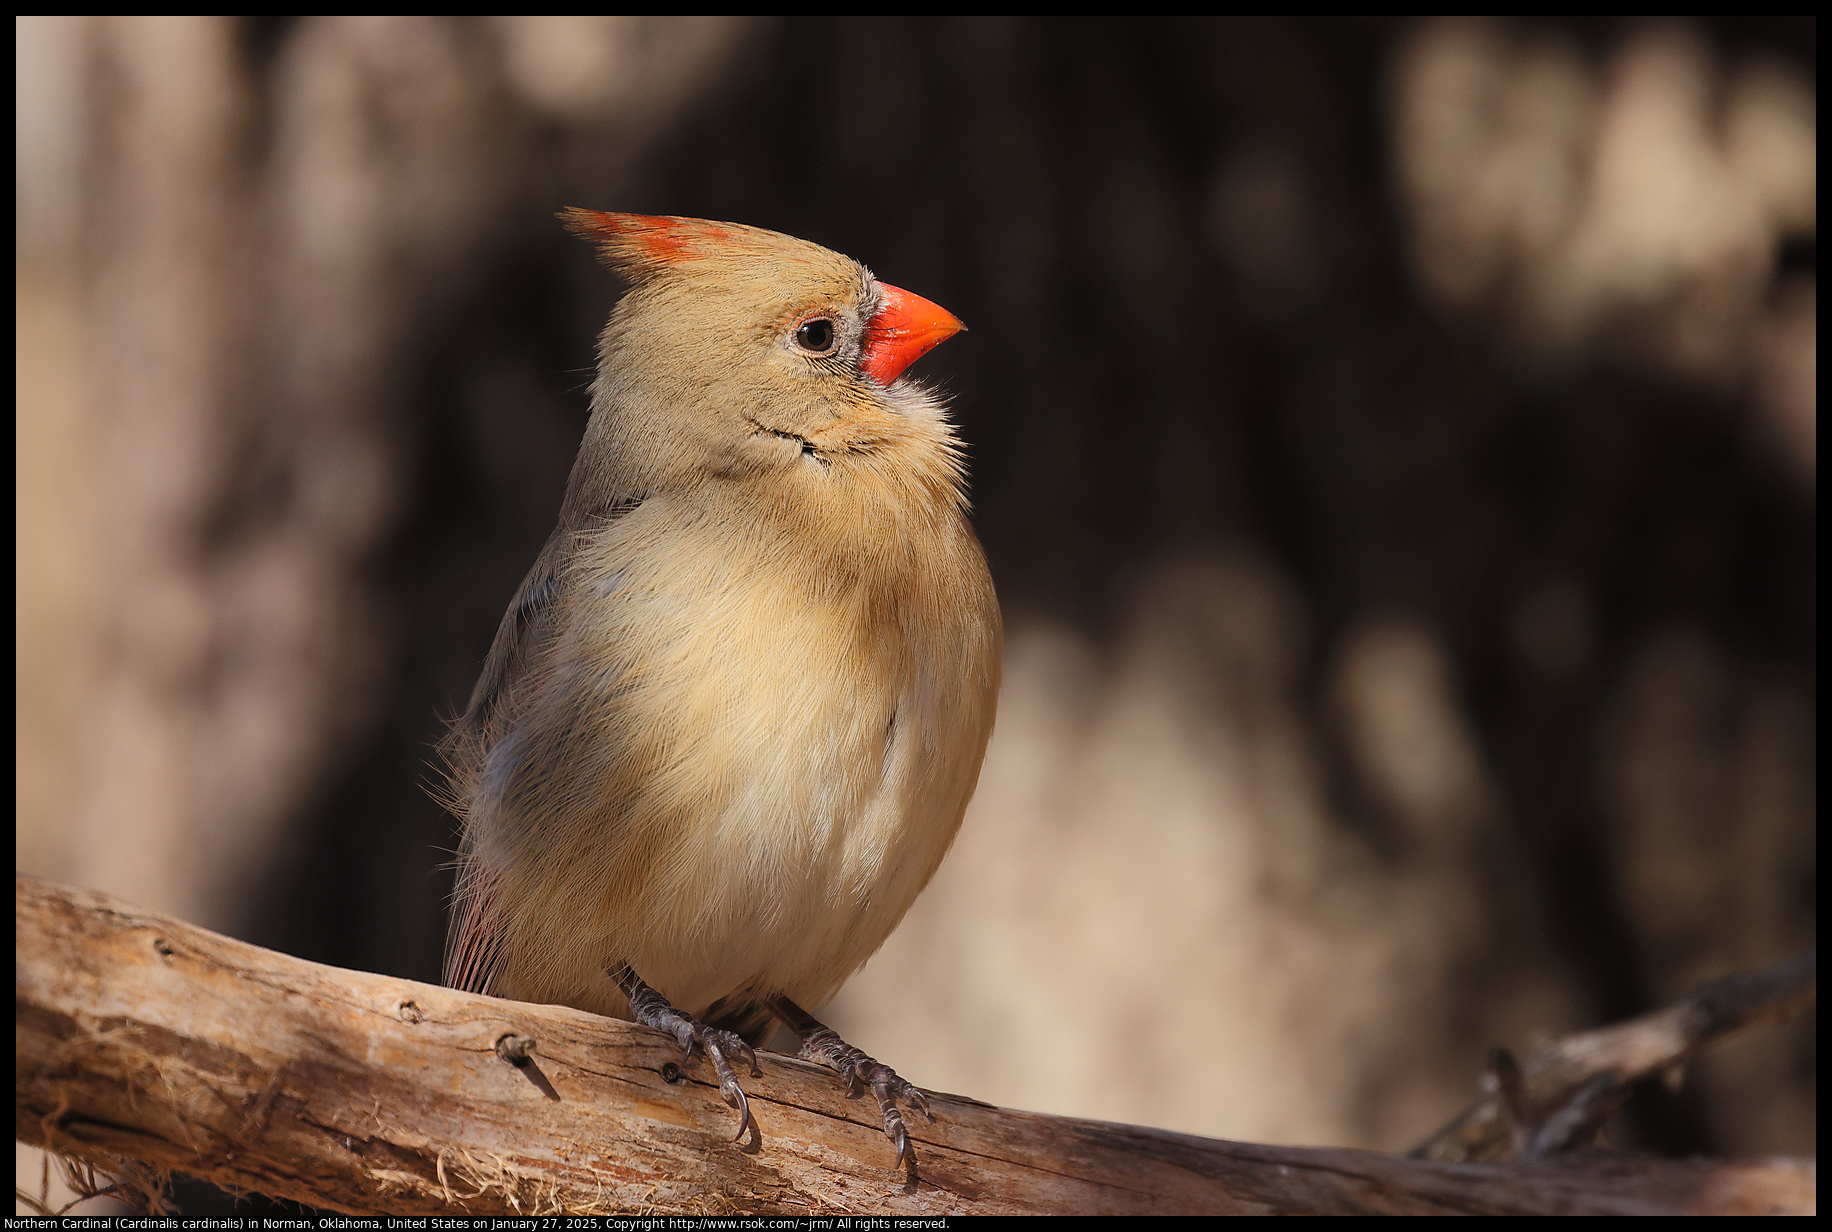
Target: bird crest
(642,244)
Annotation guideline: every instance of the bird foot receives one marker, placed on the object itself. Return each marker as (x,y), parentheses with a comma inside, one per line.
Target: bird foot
(651,1009)
(822,1045)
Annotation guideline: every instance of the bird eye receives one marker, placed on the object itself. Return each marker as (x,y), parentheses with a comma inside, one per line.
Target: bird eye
(816,336)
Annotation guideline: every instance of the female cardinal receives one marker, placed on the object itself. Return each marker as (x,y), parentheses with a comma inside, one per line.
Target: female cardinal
(730,723)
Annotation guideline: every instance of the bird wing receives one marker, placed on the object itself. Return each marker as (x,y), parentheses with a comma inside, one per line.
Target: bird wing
(522,627)
(474,943)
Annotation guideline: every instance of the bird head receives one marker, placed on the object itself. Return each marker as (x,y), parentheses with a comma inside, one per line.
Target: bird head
(738,352)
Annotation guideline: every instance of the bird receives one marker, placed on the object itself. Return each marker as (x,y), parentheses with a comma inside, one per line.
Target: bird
(732,719)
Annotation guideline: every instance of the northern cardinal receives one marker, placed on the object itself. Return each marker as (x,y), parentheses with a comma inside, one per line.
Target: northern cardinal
(732,718)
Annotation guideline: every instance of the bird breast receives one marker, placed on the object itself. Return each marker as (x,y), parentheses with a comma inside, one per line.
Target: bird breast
(794,727)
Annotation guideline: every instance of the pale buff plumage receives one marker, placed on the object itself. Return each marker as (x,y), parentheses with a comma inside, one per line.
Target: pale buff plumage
(732,720)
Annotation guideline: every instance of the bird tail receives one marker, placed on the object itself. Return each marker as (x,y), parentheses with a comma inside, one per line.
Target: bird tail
(473,944)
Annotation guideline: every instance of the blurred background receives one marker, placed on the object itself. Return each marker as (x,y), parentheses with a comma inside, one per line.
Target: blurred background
(1394,443)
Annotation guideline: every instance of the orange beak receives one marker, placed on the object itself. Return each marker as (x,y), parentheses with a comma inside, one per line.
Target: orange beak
(906,328)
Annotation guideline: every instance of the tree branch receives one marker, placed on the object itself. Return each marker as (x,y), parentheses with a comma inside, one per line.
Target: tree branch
(1567,1089)
(142,1038)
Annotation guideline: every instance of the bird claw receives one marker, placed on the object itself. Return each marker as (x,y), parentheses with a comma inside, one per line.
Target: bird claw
(716,1044)
(651,1009)
(823,1046)
(820,1044)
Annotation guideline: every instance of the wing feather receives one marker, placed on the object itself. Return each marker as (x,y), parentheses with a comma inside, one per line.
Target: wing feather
(474,942)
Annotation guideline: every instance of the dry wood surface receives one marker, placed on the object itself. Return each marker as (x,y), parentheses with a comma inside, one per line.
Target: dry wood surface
(143,1038)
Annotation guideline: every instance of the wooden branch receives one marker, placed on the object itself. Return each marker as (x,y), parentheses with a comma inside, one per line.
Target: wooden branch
(1565,1090)
(142,1038)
